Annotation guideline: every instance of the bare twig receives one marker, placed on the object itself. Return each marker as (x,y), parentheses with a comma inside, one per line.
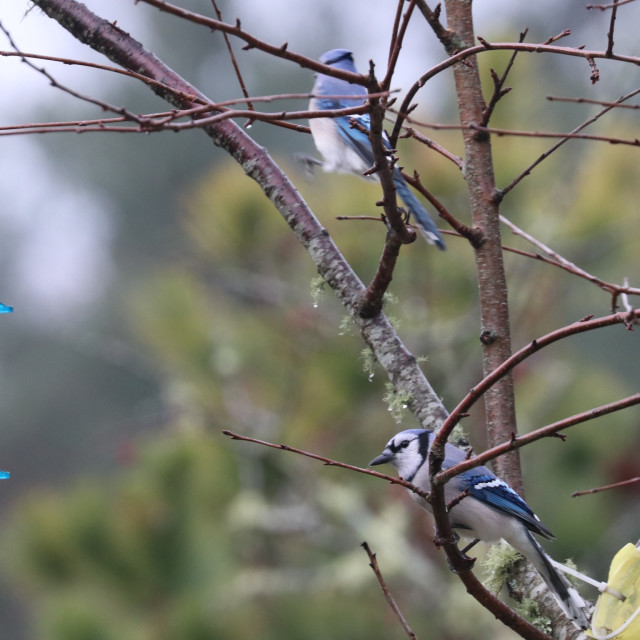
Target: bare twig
(394,34)
(433,20)
(494,46)
(101,67)
(127,115)
(373,563)
(499,89)
(635,142)
(280,119)
(369,303)
(602,103)
(399,31)
(166,123)
(234,62)
(604,7)
(607,487)
(436,126)
(559,36)
(622,290)
(432,144)
(547,431)
(558,144)
(252,42)
(612,24)
(567,265)
(588,324)
(328,461)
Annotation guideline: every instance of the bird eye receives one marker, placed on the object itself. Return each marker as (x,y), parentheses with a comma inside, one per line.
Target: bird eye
(404,444)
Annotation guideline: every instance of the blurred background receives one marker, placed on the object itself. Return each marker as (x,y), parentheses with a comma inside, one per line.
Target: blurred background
(160,298)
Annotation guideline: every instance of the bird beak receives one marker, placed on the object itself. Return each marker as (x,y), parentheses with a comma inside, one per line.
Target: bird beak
(383,458)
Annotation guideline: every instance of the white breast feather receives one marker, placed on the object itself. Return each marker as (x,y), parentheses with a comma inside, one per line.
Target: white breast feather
(338,155)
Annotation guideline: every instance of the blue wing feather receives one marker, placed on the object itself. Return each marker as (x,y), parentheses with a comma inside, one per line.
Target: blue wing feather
(495,493)
(355,137)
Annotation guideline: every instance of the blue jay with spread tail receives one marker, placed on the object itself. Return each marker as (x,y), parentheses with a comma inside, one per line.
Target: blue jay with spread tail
(346,148)
(491,510)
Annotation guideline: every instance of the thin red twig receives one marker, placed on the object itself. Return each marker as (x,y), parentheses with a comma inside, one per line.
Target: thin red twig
(234,62)
(497,46)
(601,103)
(612,25)
(607,487)
(100,67)
(604,7)
(558,144)
(328,461)
(582,326)
(252,42)
(500,90)
(396,41)
(373,563)
(432,144)
(543,432)
(565,264)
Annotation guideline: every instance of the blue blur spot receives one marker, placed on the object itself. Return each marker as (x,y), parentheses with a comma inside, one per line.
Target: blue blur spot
(5,308)
(4,475)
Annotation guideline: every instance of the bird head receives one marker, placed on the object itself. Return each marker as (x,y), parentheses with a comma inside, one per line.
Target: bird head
(406,452)
(339,58)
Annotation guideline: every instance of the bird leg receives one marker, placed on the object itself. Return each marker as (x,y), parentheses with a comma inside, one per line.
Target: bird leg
(470,546)
(469,562)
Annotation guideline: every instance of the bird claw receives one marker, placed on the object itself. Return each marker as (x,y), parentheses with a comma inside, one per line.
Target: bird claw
(454,538)
(468,562)
(467,566)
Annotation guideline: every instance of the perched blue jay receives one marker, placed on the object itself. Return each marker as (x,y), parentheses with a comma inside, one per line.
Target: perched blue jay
(491,511)
(346,148)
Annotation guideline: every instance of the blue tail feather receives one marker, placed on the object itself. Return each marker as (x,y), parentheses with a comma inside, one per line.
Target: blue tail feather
(426,224)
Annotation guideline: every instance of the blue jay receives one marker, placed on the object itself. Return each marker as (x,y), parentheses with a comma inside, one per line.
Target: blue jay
(492,510)
(346,148)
